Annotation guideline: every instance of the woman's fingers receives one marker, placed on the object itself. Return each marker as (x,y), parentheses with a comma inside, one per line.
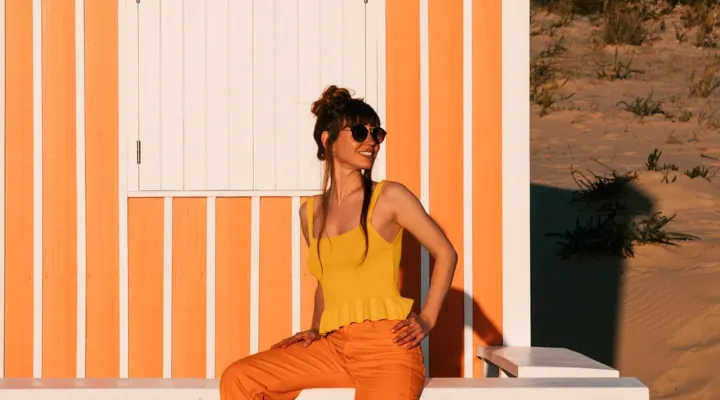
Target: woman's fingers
(399,325)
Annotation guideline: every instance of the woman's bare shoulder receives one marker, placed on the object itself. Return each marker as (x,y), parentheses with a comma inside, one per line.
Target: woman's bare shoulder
(397,191)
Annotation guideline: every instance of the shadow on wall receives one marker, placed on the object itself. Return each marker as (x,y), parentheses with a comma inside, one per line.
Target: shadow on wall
(447,337)
(574,304)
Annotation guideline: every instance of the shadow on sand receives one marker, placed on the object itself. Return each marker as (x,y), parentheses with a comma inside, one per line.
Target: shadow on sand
(574,304)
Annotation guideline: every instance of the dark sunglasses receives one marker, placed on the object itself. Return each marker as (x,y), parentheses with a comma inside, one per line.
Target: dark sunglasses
(360,133)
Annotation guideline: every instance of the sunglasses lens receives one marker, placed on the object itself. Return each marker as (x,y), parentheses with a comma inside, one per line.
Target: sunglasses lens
(379,135)
(359,133)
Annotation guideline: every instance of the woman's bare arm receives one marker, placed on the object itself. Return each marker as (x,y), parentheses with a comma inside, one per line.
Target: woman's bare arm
(410,214)
(318,308)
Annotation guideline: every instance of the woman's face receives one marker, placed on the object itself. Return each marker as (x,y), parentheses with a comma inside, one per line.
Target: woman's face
(351,154)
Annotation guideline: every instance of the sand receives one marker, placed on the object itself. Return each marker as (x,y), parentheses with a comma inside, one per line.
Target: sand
(667,316)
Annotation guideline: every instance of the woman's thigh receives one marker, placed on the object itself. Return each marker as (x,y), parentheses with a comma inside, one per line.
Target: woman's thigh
(281,373)
(381,368)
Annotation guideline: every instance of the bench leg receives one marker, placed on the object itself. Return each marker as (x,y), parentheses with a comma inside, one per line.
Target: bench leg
(491,370)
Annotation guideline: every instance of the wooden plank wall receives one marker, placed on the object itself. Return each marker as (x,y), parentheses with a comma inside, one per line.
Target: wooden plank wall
(197,282)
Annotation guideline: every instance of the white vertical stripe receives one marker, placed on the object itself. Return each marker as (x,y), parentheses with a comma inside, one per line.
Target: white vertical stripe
(515,172)
(376,21)
(80,171)
(295,218)
(424,158)
(210,302)
(381,77)
(254,274)
(469,354)
(2,189)
(123,128)
(37,188)
(167,287)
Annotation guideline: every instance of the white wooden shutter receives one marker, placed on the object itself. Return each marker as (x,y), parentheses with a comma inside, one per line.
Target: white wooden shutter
(224,88)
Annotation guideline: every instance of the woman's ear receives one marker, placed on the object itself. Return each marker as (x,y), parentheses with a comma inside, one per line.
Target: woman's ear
(324,137)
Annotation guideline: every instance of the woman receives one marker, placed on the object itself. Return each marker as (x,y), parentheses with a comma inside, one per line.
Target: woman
(363,333)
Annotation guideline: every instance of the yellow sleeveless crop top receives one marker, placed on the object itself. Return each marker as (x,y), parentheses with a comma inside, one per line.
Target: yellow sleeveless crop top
(355,290)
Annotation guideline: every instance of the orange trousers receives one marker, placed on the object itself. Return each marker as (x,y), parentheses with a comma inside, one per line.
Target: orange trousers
(362,356)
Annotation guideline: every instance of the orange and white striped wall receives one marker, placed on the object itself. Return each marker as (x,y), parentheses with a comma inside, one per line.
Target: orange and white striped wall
(117,267)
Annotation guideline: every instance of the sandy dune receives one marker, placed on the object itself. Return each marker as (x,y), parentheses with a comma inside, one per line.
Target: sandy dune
(667,330)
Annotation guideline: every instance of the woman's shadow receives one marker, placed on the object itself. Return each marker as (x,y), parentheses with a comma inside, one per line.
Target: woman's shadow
(447,338)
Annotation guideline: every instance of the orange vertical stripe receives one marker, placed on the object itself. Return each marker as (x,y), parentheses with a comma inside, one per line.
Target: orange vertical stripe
(487,174)
(446,170)
(145,287)
(18,190)
(275,274)
(59,218)
(403,121)
(101,166)
(189,255)
(232,281)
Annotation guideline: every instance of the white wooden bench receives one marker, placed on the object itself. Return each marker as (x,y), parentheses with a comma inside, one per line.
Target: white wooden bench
(436,389)
(542,362)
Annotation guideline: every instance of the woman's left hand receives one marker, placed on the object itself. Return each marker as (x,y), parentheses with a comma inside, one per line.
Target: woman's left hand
(412,330)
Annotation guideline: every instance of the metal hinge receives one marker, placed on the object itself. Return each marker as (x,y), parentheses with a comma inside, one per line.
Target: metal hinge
(138,158)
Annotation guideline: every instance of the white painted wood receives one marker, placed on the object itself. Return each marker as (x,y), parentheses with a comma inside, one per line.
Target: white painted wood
(129,62)
(515,173)
(353,45)
(286,94)
(225,88)
(435,389)
(124,11)
(468,265)
(149,94)
(167,285)
(171,98)
(544,362)
(254,275)
(37,135)
(224,193)
(81,245)
(263,60)
(210,230)
(331,43)
(241,95)
(377,12)
(194,95)
(217,135)
(373,12)
(2,187)
(424,157)
(309,89)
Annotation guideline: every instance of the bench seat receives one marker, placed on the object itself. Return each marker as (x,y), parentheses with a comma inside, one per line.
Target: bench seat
(544,362)
(436,389)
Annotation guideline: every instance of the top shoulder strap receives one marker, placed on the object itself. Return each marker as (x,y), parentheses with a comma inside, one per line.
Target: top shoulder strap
(375,196)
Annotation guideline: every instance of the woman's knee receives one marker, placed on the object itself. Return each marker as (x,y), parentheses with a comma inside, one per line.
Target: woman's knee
(234,372)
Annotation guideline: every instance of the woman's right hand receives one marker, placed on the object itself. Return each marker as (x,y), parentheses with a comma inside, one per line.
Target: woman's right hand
(306,337)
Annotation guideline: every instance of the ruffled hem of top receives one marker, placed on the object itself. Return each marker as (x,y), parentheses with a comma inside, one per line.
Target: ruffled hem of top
(369,309)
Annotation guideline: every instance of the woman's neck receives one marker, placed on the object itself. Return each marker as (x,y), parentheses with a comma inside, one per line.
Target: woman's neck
(345,183)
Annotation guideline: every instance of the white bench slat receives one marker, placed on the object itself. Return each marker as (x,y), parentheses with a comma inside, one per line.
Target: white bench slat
(545,362)
(436,389)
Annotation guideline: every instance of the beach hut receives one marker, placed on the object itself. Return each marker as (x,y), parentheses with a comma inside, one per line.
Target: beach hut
(156,153)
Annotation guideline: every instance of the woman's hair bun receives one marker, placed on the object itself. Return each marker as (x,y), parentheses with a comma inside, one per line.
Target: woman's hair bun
(331,98)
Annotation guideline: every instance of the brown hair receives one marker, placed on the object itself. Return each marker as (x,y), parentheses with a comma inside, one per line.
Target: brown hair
(335,110)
